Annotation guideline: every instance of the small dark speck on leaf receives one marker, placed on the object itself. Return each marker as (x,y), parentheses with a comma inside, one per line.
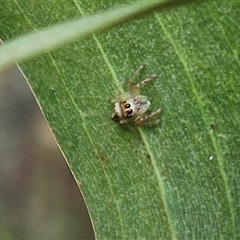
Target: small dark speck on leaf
(149,159)
(212,126)
(103,157)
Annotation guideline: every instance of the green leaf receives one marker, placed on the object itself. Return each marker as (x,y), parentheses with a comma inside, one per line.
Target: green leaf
(47,39)
(178,180)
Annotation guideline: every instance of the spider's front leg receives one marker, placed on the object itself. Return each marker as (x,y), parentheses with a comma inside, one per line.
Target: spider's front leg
(144,81)
(118,93)
(135,75)
(129,85)
(143,120)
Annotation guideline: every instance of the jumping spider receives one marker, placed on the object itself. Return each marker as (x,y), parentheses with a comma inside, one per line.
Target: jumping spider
(133,106)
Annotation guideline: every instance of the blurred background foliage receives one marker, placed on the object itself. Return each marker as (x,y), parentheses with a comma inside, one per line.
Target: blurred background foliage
(39,197)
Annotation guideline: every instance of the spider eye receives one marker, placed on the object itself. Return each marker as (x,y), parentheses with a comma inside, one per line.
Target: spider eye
(129,111)
(127,105)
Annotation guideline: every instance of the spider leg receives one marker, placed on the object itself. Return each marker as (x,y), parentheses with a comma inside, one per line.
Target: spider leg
(118,93)
(142,120)
(144,81)
(134,76)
